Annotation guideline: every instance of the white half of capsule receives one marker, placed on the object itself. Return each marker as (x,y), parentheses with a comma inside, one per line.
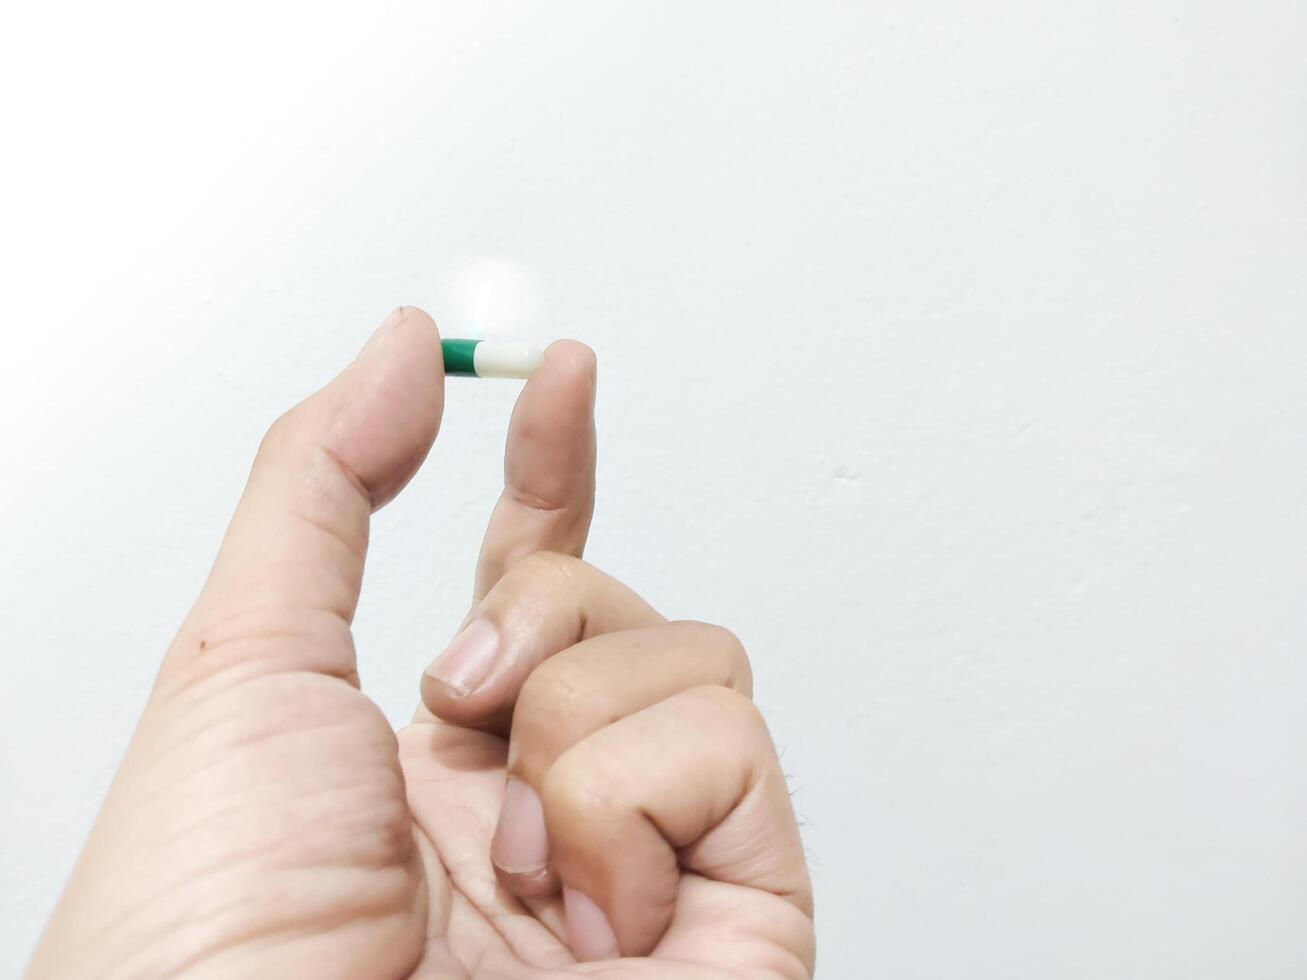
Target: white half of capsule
(493,359)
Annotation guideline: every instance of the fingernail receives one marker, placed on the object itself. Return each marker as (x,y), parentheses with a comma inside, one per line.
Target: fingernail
(467,660)
(588,931)
(383,331)
(521,843)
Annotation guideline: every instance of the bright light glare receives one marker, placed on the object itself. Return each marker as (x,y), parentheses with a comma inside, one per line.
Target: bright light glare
(491,298)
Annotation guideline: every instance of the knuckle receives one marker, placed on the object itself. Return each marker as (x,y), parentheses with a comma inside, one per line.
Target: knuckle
(740,671)
(712,633)
(549,567)
(739,710)
(280,433)
(272,639)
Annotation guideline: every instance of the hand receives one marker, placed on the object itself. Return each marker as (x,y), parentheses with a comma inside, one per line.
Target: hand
(266,821)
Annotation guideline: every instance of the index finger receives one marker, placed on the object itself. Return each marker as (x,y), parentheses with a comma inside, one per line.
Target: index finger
(549,467)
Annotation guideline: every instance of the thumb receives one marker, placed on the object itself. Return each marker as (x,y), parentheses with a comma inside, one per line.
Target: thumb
(286,581)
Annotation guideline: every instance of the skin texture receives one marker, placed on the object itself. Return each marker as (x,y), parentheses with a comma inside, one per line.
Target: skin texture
(266,820)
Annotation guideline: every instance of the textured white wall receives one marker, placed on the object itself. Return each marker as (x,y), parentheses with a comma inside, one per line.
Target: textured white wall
(952,354)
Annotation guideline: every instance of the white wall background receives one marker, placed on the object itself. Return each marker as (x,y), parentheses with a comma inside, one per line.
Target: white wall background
(993,443)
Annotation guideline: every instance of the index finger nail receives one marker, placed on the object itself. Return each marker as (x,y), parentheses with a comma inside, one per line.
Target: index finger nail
(466,662)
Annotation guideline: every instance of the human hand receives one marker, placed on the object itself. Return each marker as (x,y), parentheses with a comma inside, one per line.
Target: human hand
(266,821)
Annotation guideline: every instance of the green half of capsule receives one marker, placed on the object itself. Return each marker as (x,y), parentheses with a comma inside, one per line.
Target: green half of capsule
(460,356)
